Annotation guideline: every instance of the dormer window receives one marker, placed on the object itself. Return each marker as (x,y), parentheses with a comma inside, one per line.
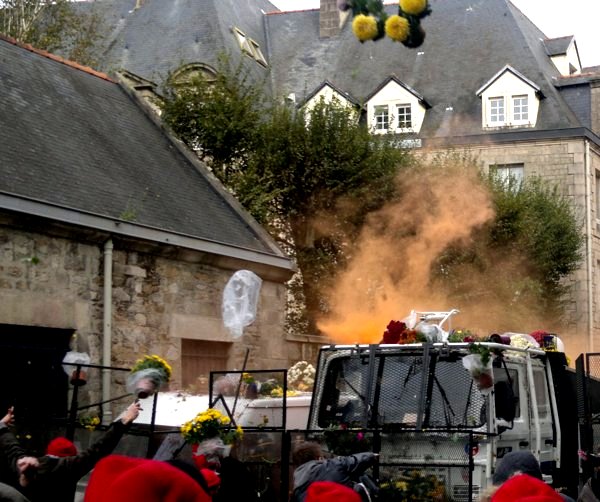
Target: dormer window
(395,108)
(509,99)
(564,54)
(250,47)
(329,93)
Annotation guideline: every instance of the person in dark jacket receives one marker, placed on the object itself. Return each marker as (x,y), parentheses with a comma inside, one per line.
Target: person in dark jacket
(313,467)
(54,476)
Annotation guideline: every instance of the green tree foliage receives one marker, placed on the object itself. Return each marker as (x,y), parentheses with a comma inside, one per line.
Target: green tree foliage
(57,26)
(310,178)
(524,256)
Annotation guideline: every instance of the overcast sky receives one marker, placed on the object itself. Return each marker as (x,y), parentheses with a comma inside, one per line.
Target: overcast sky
(556,18)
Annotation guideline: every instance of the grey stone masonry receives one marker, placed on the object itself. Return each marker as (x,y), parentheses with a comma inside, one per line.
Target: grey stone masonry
(157,302)
(329,19)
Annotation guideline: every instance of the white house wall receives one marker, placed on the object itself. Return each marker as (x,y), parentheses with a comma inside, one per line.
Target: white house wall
(508,85)
(564,62)
(391,95)
(328,94)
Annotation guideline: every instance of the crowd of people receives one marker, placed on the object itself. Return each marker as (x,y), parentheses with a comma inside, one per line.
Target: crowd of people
(116,478)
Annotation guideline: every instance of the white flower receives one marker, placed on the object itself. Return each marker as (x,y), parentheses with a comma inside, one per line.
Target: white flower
(301,376)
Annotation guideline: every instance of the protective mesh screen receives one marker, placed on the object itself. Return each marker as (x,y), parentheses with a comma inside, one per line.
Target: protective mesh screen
(397,390)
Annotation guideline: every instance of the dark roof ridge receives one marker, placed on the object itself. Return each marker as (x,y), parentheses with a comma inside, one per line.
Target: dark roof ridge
(392,77)
(559,38)
(525,15)
(58,59)
(339,90)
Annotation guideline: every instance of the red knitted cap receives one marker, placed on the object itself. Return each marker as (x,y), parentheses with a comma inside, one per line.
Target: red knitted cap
(322,491)
(61,447)
(525,488)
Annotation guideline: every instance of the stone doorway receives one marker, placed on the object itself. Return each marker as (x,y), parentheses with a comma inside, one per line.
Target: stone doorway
(33,380)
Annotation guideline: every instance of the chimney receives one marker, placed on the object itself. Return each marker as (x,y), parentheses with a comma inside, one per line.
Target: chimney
(331,19)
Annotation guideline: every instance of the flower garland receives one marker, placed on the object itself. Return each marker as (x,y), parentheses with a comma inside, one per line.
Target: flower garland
(371,22)
(210,424)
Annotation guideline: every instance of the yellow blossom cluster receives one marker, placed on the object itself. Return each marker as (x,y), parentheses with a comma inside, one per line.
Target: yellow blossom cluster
(155,362)
(90,423)
(371,21)
(209,424)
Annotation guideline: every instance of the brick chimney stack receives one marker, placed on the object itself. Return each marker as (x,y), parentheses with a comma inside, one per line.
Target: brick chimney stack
(331,19)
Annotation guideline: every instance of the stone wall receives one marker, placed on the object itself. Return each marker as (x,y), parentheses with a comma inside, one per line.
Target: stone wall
(157,301)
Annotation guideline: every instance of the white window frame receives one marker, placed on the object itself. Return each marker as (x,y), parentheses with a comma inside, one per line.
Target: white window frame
(520,108)
(381,118)
(497,111)
(258,55)
(403,110)
(250,47)
(510,174)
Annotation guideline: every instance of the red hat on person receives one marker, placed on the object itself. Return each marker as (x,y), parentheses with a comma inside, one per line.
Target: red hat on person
(525,488)
(323,491)
(61,447)
(117,478)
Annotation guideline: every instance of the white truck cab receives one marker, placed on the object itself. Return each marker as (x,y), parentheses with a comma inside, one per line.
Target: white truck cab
(427,412)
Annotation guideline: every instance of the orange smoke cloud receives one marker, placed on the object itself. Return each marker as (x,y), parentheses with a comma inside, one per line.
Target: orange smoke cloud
(390,270)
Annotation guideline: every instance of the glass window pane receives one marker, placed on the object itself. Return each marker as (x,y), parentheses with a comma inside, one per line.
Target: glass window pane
(404,116)
(497,110)
(381,118)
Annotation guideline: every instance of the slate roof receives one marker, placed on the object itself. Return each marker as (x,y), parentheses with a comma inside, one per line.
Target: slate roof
(76,140)
(162,35)
(558,46)
(467,42)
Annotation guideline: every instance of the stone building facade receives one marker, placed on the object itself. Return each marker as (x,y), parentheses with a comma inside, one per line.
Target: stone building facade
(117,242)
(478,65)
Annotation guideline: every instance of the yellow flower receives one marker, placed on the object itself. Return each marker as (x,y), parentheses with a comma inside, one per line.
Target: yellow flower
(396,27)
(153,361)
(208,424)
(413,7)
(364,27)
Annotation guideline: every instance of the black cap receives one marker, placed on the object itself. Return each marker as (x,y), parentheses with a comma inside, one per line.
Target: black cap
(522,462)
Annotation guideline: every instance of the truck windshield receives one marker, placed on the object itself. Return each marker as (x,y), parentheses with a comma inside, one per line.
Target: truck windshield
(409,392)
